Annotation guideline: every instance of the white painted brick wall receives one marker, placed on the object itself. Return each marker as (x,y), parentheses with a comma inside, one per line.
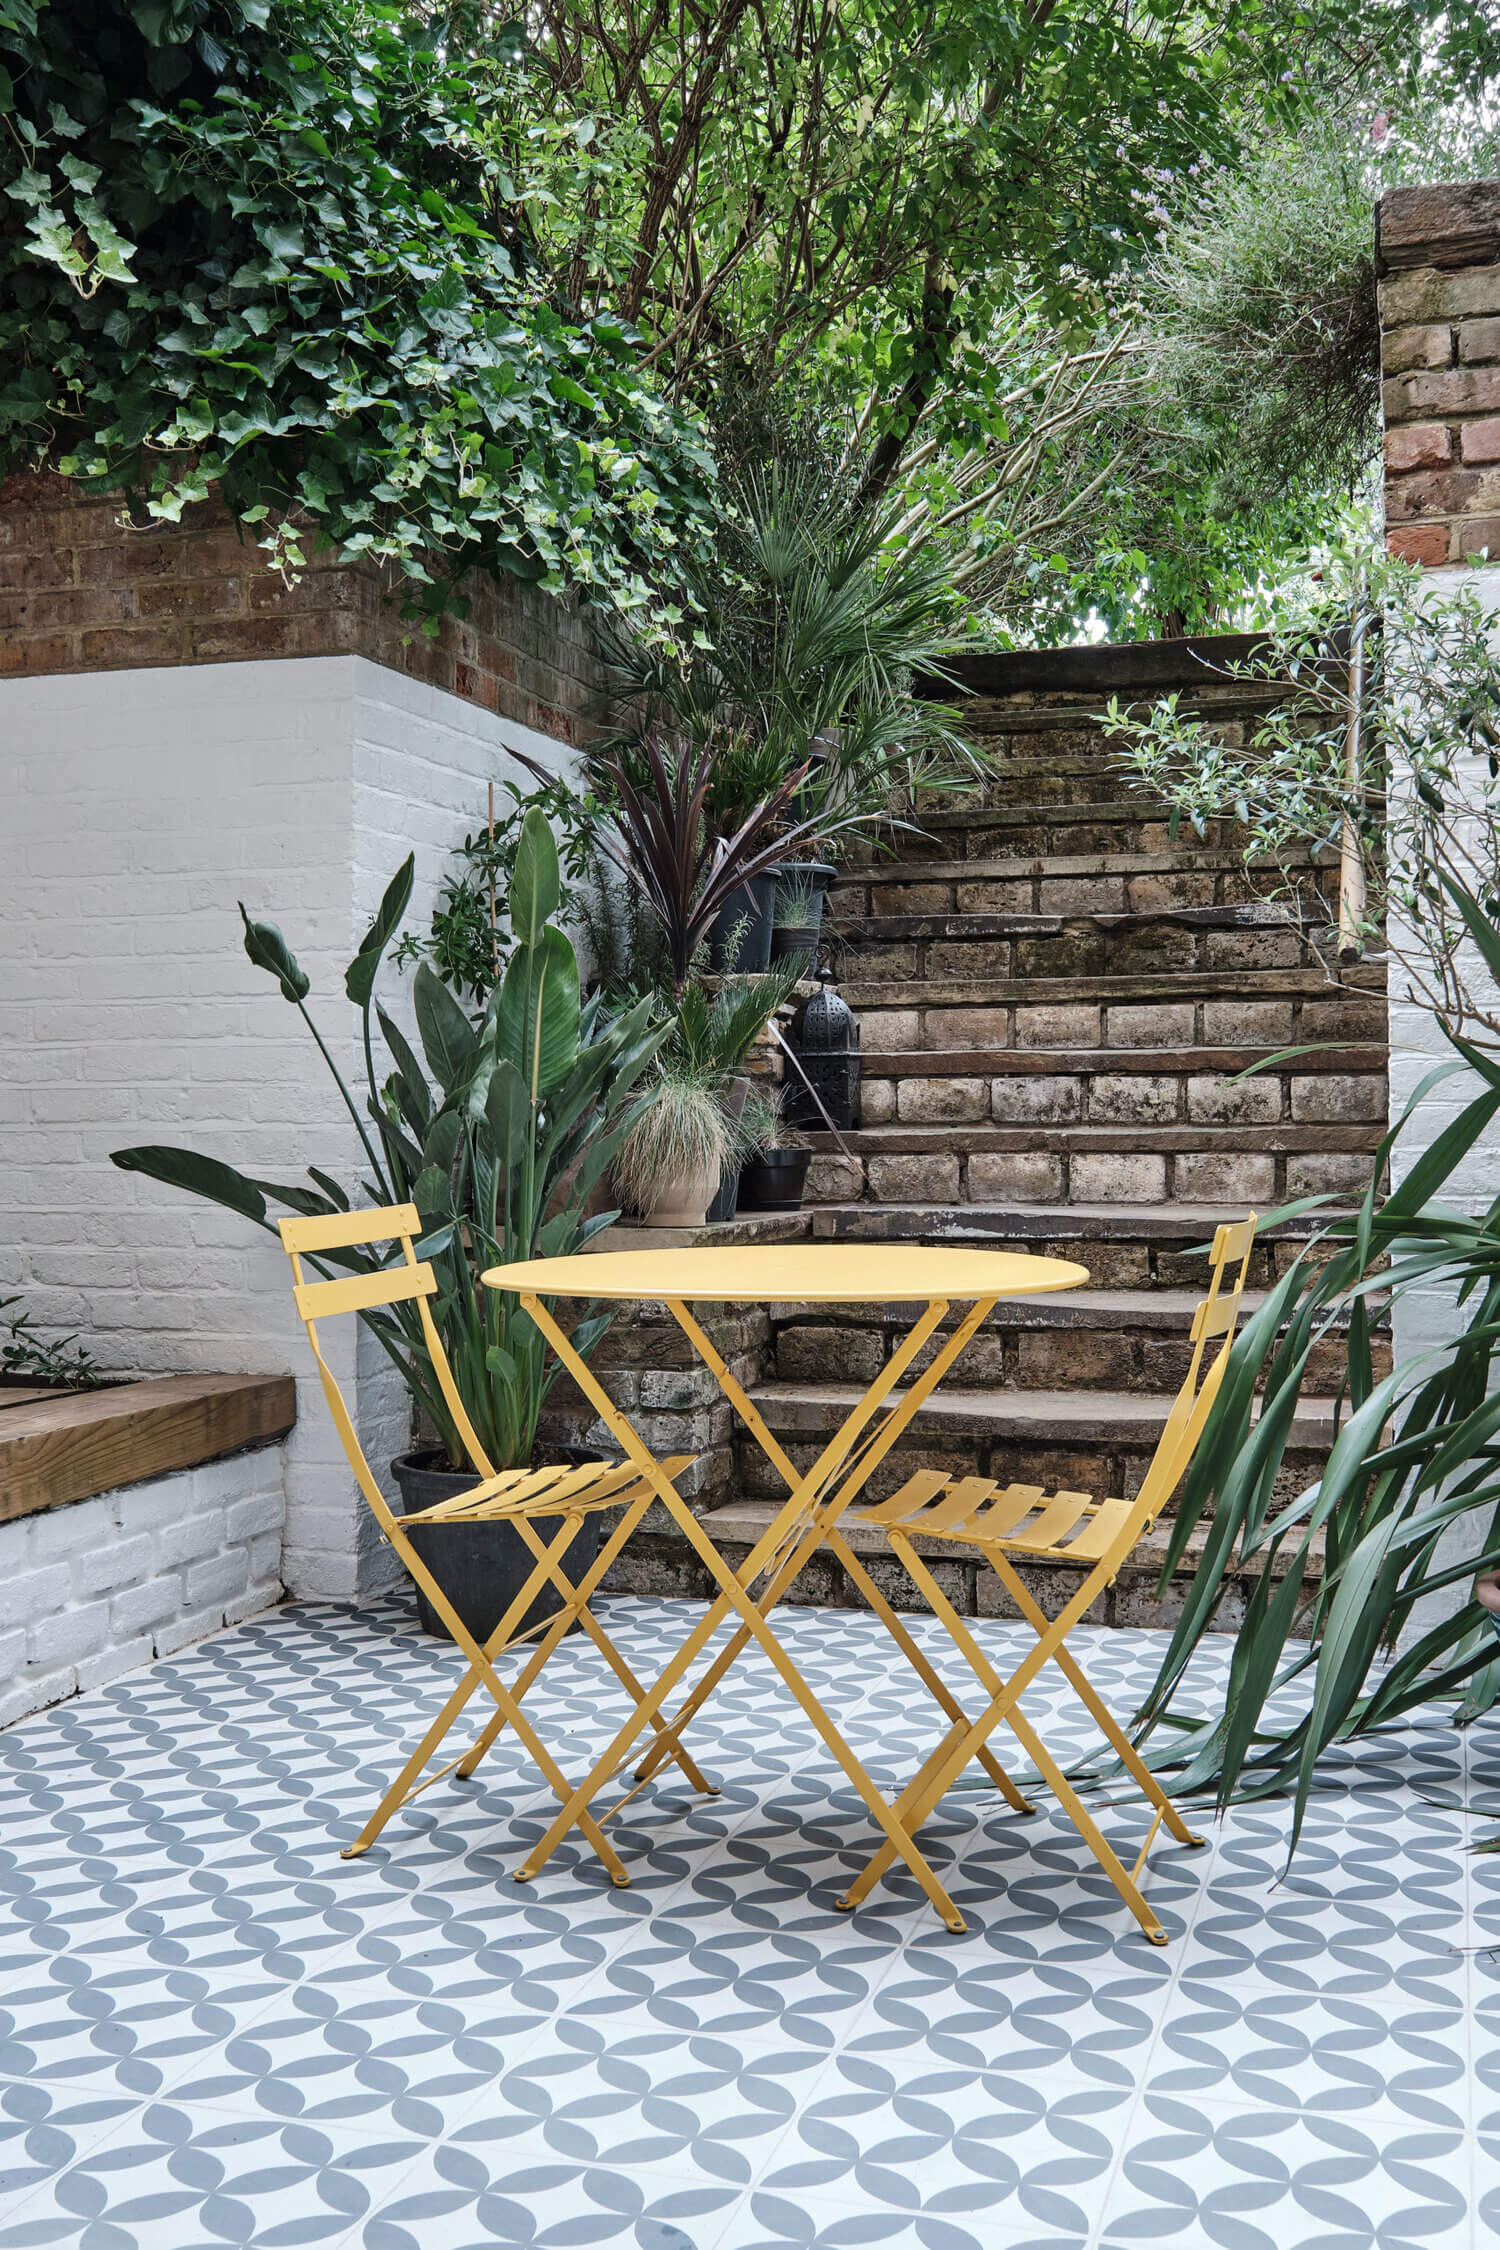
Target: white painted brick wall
(97,1588)
(141,805)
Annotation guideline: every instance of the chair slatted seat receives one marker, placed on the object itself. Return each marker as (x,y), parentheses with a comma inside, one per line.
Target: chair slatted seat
(1007,1524)
(545,1506)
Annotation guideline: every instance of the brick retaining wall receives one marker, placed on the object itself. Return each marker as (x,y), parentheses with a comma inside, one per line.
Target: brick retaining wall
(82,592)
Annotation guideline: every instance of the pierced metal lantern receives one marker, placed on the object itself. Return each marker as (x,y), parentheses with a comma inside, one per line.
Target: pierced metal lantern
(824,1040)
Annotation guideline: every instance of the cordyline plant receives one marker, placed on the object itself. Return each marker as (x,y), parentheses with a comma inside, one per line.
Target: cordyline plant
(500,1148)
(1418,1453)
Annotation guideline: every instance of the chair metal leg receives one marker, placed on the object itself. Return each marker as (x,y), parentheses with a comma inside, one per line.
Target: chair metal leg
(962,1744)
(481,1668)
(947,1702)
(576,1604)
(1103,1718)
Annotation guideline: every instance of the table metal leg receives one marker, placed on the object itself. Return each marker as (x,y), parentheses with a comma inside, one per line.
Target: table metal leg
(804,1520)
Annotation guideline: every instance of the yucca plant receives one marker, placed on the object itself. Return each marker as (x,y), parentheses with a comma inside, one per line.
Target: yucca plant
(500,1147)
(1416,1452)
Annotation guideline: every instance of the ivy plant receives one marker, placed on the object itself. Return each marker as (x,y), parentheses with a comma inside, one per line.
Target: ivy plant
(272,251)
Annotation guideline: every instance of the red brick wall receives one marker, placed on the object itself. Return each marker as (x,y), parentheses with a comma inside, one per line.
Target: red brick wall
(1438,257)
(79,593)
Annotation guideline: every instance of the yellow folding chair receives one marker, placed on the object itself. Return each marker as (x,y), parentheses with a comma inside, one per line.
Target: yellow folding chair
(515,1496)
(1022,1523)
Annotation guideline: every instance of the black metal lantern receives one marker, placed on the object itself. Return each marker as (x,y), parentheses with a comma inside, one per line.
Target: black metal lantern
(825,1062)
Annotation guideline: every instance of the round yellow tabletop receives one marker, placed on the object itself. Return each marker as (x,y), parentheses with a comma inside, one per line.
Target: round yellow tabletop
(795,1273)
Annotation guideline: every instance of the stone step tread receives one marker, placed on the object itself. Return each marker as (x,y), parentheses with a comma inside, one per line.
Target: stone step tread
(1163,1311)
(1236,1139)
(867,929)
(1363,981)
(978,815)
(741,1523)
(1063,1417)
(1184,1225)
(1065,1062)
(1203,859)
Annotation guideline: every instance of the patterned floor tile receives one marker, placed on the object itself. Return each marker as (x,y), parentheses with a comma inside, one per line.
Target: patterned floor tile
(197,2179)
(627,2093)
(911,2133)
(1331,2056)
(213,2029)
(463,2195)
(1272,2179)
(44,2129)
(765,2221)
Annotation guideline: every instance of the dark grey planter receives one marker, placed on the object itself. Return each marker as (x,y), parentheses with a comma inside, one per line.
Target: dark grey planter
(752,905)
(481,1567)
(774,1180)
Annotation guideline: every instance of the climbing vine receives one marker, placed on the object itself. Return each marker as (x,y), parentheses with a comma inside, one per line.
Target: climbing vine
(273,250)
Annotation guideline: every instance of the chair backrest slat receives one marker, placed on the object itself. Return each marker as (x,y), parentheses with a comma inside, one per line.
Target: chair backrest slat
(341,1230)
(411,1281)
(320,1300)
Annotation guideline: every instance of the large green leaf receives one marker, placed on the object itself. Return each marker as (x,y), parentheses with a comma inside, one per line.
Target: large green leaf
(200,1175)
(269,950)
(537,1018)
(536,885)
(448,1038)
(508,1113)
(359,977)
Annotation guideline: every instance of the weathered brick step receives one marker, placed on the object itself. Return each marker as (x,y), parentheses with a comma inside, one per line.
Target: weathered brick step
(1102,882)
(1259,1165)
(1086,1339)
(1096,775)
(933,948)
(1252,1008)
(1077,1440)
(1097,824)
(1124,1245)
(1120,1085)
(973,1589)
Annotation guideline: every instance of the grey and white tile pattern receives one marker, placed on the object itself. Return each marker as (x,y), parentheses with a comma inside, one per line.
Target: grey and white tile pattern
(215,2031)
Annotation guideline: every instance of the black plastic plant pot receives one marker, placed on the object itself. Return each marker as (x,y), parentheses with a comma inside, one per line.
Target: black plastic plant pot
(481,1567)
(796,945)
(810,877)
(723,1204)
(741,937)
(774,1180)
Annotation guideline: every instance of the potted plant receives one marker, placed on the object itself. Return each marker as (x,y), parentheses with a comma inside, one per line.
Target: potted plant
(500,1142)
(673,1158)
(676,1147)
(798,914)
(774,1171)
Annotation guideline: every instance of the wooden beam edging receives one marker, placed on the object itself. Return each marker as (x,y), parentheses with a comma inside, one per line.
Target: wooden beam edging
(87,1442)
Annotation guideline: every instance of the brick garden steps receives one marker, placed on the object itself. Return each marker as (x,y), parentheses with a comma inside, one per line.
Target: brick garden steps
(1091,1339)
(1102,882)
(1236,1166)
(1222,1007)
(1122,1085)
(937,947)
(1132,1600)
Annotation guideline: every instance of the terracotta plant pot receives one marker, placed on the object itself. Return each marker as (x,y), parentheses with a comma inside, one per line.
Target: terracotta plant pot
(481,1567)
(683,1198)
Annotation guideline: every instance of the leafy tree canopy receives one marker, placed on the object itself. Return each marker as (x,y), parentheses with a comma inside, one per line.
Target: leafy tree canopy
(269,245)
(849,196)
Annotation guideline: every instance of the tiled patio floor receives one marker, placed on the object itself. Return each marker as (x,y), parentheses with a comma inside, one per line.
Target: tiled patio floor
(214,2031)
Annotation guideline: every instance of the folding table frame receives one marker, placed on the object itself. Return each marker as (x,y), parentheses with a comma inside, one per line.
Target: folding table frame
(809,1516)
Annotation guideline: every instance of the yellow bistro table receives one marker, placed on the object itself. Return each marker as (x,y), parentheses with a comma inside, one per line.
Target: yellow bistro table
(787,1273)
